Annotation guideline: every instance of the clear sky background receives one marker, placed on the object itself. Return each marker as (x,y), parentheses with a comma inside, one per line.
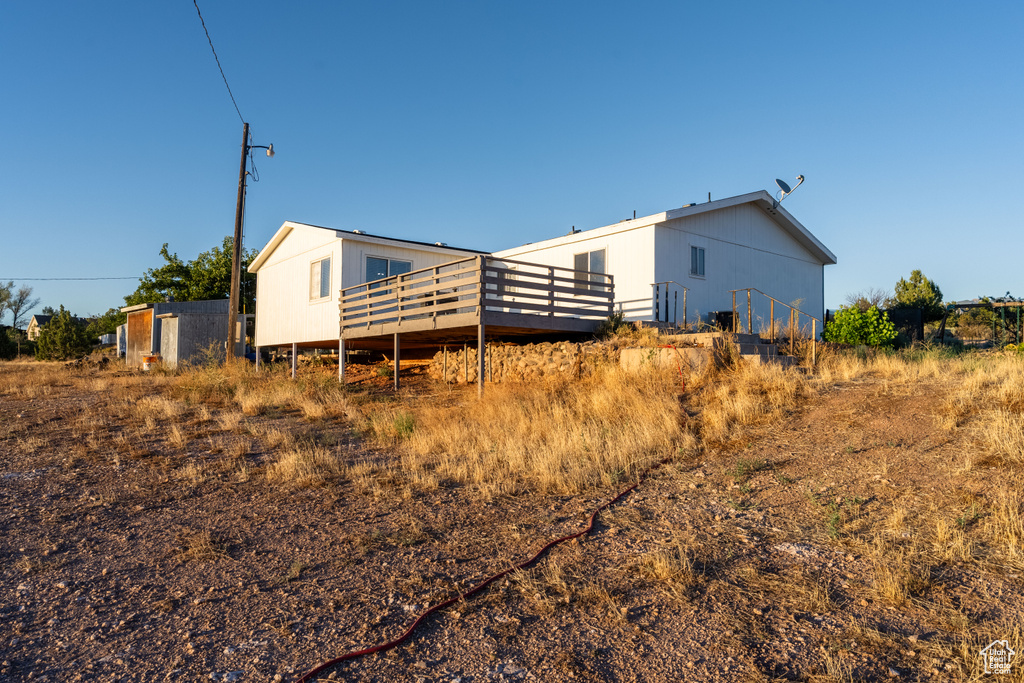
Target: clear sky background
(488,124)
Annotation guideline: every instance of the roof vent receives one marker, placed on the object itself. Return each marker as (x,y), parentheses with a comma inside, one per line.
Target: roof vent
(440,244)
(358,232)
(686,206)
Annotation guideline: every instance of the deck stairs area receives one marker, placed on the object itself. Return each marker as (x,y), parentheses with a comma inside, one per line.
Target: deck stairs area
(750,347)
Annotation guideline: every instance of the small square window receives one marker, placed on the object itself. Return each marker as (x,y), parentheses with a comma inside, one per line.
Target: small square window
(697,261)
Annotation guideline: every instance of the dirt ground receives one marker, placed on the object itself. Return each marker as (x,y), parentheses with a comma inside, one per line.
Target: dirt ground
(741,565)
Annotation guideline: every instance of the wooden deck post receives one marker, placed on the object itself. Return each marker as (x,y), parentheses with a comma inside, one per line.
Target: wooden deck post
(398,360)
(341,360)
(257,358)
(295,359)
(444,371)
(480,358)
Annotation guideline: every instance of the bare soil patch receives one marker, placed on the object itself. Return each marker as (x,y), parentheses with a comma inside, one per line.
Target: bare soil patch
(849,534)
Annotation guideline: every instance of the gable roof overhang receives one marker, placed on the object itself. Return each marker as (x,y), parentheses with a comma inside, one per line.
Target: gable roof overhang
(288,226)
(764,201)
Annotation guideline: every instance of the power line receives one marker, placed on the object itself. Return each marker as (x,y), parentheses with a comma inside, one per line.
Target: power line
(22,279)
(210,40)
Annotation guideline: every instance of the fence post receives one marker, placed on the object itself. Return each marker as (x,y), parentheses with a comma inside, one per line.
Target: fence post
(772,332)
(685,323)
(792,333)
(551,289)
(750,315)
(814,341)
(734,320)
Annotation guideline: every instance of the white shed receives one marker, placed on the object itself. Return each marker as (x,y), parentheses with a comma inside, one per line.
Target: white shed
(710,249)
(303,268)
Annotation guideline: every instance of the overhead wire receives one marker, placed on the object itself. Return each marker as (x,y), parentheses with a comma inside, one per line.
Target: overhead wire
(21,279)
(217,59)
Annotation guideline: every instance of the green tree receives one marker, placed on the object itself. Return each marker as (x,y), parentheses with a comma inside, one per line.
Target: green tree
(919,292)
(207,277)
(19,303)
(106,323)
(856,327)
(62,338)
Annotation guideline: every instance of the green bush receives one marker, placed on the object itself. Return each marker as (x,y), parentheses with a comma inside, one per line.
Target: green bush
(8,344)
(860,328)
(62,338)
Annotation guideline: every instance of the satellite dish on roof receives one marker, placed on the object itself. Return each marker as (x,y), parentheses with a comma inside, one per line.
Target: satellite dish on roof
(784,189)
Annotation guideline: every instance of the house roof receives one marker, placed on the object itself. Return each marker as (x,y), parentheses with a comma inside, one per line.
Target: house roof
(761,199)
(359,235)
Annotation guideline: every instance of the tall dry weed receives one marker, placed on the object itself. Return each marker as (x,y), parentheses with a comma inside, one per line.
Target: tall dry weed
(563,436)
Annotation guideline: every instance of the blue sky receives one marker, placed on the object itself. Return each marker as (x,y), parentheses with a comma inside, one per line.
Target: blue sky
(491,124)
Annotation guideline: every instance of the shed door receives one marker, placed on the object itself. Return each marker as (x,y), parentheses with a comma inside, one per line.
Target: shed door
(140,337)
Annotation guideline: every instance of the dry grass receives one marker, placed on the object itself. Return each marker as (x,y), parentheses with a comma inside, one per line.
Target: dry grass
(306,465)
(559,437)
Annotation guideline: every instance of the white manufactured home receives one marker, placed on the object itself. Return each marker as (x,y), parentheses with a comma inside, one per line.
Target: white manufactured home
(302,270)
(748,241)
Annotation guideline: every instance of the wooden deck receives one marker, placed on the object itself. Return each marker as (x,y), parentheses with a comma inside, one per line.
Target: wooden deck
(452,302)
(479,297)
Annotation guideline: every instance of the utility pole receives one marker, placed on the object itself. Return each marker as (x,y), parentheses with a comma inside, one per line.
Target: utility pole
(236,250)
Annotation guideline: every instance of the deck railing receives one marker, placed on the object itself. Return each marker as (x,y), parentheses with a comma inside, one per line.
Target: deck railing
(476,285)
(794,320)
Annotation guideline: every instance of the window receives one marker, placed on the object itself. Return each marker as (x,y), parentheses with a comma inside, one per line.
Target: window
(320,279)
(593,261)
(380,268)
(697,261)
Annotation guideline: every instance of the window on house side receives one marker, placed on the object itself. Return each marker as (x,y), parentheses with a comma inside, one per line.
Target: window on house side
(592,261)
(697,261)
(380,268)
(320,279)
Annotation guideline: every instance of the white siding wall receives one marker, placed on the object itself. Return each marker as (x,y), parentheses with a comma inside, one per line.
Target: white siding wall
(284,311)
(743,247)
(629,258)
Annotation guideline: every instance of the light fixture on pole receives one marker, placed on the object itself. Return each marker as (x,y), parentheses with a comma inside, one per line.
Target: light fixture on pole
(236,247)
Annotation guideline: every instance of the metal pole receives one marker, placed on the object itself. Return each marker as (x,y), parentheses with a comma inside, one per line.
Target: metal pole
(295,359)
(257,358)
(444,371)
(398,360)
(657,302)
(675,308)
(480,358)
(773,321)
(341,360)
(465,361)
(685,318)
(236,248)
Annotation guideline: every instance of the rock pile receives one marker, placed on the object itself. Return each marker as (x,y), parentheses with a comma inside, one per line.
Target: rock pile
(515,363)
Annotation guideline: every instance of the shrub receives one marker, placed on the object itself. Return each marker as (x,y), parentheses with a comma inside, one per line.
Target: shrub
(920,292)
(62,338)
(855,327)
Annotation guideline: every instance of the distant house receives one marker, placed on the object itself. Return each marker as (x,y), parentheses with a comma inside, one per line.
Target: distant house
(36,323)
(301,271)
(709,248)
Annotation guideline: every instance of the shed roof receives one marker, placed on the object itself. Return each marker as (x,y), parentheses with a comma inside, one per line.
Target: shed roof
(359,235)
